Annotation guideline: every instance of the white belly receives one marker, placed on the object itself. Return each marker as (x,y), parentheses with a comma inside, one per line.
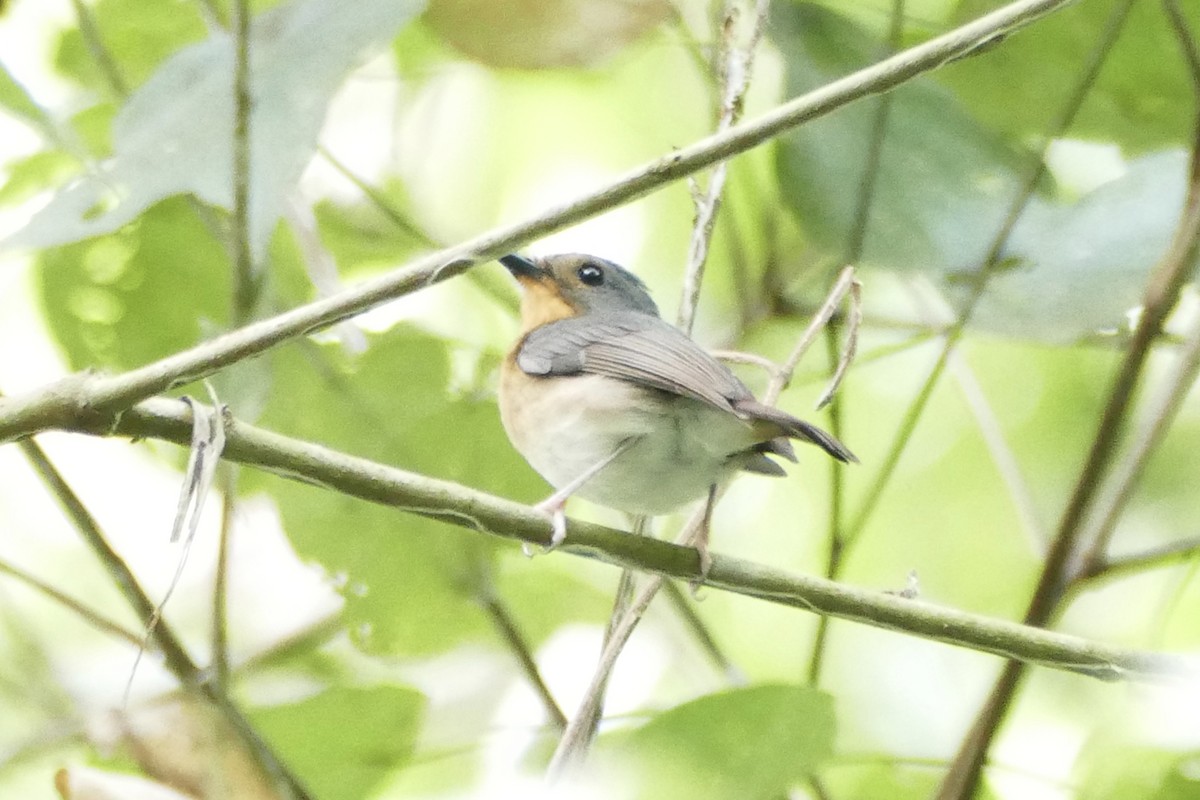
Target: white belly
(565,426)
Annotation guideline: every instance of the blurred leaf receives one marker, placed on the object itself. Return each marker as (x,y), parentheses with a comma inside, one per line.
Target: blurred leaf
(1021,85)
(410,583)
(891,779)
(148,290)
(138,35)
(173,136)
(1118,770)
(550,33)
(360,237)
(16,99)
(94,126)
(746,743)
(1079,268)
(34,173)
(342,742)
(944,182)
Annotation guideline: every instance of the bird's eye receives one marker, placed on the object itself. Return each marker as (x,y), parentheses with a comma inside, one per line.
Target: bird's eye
(591,275)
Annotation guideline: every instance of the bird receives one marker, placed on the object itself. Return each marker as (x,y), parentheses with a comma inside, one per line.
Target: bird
(608,401)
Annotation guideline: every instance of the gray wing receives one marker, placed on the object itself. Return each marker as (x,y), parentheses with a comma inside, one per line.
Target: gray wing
(633,347)
(647,351)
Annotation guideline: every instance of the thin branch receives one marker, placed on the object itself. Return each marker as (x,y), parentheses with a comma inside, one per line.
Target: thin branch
(506,626)
(92,39)
(161,418)
(65,401)
(247,283)
(1163,411)
(783,375)
(177,660)
(1002,454)
(1166,407)
(220,599)
(734,64)
(1154,558)
(381,203)
(871,169)
(566,758)
(1187,42)
(89,615)
(685,608)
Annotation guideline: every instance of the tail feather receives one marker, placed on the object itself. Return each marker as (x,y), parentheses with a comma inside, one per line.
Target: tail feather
(795,428)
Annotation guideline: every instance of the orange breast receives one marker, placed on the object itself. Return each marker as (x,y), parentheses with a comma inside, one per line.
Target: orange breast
(542,303)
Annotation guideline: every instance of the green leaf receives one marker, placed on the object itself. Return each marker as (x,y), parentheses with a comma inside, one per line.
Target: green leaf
(174,135)
(362,237)
(944,182)
(122,300)
(747,743)
(410,583)
(138,35)
(1116,771)
(1022,84)
(1075,269)
(34,173)
(343,741)
(17,100)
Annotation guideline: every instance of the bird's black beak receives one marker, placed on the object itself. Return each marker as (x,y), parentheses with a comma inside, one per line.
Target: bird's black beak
(522,267)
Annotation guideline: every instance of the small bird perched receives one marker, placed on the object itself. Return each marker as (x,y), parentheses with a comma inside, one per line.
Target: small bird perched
(609,402)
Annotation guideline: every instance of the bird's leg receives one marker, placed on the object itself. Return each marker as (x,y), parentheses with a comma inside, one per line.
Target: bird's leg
(555,503)
(701,540)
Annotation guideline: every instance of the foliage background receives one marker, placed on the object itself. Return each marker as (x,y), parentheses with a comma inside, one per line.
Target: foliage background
(367,645)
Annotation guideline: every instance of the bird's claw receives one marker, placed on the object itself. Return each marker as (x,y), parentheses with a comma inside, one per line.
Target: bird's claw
(705,565)
(558,527)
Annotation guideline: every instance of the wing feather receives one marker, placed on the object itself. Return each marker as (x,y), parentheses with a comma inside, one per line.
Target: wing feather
(647,351)
(633,347)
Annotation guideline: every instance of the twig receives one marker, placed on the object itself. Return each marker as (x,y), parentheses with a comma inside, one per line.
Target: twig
(1153,558)
(381,203)
(1120,488)
(220,599)
(65,401)
(1187,42)
(581,730)
(89,615)
(719,658)
(734,65)
(247,284)
(506,626)
(1002,453)
(1166,407)
(783,375)
(90,32)
(160,418)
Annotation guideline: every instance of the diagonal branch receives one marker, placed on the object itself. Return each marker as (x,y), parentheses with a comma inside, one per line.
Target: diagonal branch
(62,403)
(169,420)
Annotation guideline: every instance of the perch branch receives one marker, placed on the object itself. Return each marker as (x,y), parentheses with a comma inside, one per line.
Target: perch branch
(170,420)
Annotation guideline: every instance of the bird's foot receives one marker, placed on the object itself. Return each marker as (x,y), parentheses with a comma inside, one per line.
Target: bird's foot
(697,583)
(554,506)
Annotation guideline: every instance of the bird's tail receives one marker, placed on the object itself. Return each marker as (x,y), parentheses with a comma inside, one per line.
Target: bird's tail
(795,428)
